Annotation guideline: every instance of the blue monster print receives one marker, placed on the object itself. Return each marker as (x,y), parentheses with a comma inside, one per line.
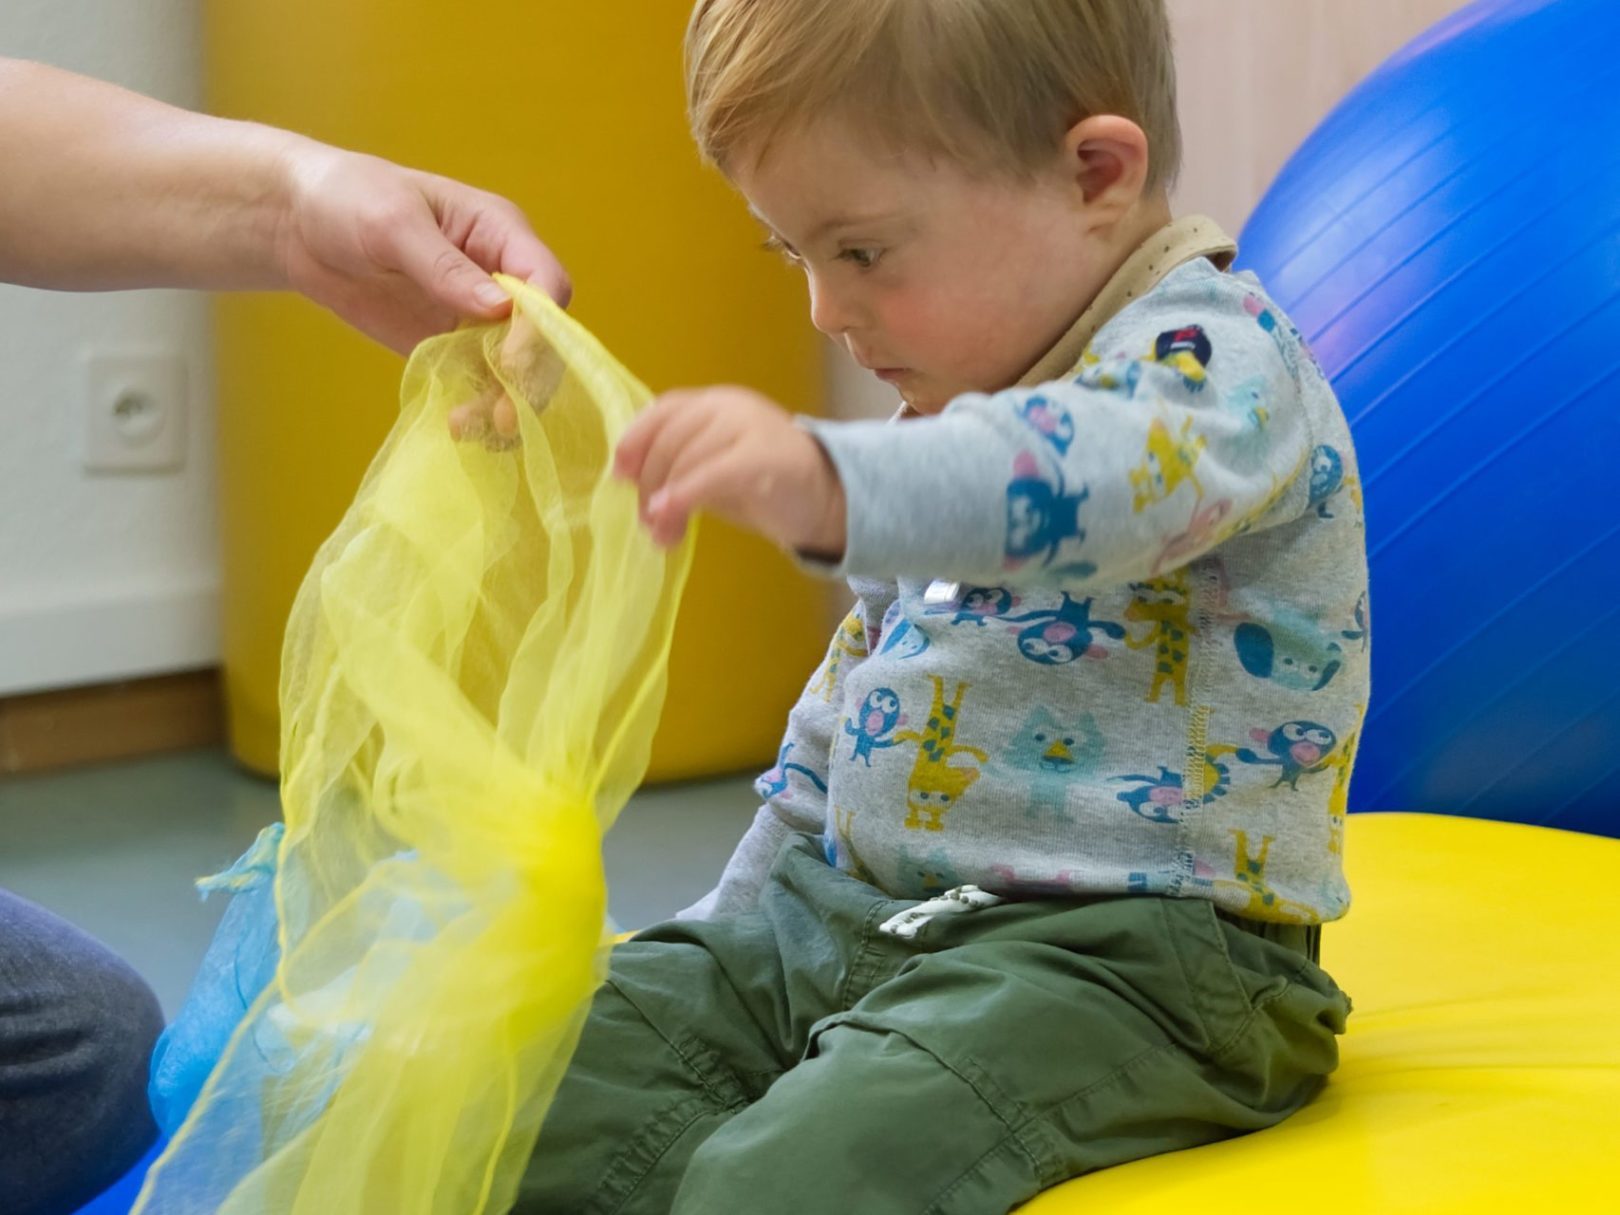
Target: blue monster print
(979,605)
(879,715)
(1157,798)
(1060,635)
(1299,748)
(1042,517)
(774,783)
(1049,420)
(1327,477)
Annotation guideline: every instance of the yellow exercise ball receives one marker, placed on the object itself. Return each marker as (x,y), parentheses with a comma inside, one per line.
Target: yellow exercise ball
(575,112)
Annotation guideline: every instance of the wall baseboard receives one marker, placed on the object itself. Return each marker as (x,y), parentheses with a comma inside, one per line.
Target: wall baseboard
(130,635)
(111,721)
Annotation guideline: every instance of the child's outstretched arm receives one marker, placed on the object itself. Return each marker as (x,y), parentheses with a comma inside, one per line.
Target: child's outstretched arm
(1186,427)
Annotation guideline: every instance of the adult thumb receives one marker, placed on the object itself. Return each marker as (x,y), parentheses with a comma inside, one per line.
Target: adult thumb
(450,278)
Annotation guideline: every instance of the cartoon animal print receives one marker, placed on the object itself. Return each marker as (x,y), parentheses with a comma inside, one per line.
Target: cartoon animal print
(1299,748)
(1156,798)
(843,851)
(1359,633)
(1246,403)
(1187,352)
(1055,636)
(774,783)
(849,642)
(932,874)
(1049,420)
(1203,878)
(1159,798)
(979,605)
(1327,478)
(1058,886)
(1286,349)
(1166,605)
(1291,650)
(901,637)
(935,786)
(1053,756)
(1042,516)
(1167,461)
(1119,374)
(1341,762)
(1203,532)
(1264,903)
(878,716)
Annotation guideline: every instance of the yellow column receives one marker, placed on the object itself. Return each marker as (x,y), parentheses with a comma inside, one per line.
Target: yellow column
(574,111)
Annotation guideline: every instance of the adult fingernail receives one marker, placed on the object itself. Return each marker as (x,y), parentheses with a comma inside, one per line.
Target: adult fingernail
(489,294)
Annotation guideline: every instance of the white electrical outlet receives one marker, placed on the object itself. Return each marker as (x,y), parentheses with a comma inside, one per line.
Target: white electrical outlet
(135,416)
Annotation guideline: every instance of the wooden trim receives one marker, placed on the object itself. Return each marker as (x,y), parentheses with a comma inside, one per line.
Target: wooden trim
(111,721)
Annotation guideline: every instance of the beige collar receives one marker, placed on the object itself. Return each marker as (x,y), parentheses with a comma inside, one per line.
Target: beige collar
(1175,244)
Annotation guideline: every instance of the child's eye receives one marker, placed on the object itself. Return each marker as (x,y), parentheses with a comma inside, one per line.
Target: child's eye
(864,258)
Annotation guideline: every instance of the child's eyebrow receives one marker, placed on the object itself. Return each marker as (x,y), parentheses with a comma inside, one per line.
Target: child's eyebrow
(835,224)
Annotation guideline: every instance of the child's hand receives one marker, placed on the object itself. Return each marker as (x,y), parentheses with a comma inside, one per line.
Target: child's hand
(733,452)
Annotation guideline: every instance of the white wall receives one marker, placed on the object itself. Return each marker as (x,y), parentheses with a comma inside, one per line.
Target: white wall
(102,576)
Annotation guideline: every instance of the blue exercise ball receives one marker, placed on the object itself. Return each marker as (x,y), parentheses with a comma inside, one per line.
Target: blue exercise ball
(1448,241)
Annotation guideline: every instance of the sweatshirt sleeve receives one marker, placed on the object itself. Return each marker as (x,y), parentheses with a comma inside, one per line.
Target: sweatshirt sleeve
(1184,426)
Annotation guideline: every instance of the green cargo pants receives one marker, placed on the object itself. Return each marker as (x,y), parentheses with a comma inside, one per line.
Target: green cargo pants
(803,1058)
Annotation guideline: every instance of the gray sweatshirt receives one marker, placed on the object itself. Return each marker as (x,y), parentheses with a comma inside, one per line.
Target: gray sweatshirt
(1110,631)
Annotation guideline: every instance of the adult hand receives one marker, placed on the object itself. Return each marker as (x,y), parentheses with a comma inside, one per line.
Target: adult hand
(401,254)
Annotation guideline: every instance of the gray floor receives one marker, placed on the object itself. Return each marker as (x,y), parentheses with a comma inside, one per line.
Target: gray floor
(115,848)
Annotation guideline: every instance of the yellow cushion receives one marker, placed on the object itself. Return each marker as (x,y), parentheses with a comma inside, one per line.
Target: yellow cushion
(1481,1071)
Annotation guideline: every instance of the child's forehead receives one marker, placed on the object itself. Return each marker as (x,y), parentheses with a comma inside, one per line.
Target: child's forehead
(814,181)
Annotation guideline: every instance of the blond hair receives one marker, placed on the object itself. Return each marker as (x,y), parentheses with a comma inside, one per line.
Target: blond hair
(991,84)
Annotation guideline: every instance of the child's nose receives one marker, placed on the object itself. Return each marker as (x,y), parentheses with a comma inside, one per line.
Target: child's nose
(829,311)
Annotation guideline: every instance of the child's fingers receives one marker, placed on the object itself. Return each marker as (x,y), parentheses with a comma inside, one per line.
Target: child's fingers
(711,486)
(640,435)
(649,445)
(685,429)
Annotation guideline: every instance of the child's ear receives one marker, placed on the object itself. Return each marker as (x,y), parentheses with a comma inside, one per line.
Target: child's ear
(1106,157)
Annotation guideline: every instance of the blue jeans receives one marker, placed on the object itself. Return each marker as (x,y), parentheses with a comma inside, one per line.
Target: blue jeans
(76,1032)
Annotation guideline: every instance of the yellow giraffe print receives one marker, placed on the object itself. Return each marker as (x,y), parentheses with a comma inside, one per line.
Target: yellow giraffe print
(935,787)
(1168,462)
(1166,604)
(1340,762)
(1264,903)
(848,642)
(843,820)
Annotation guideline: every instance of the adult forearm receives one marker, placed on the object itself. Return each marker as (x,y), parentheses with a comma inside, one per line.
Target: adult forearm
(103,188)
